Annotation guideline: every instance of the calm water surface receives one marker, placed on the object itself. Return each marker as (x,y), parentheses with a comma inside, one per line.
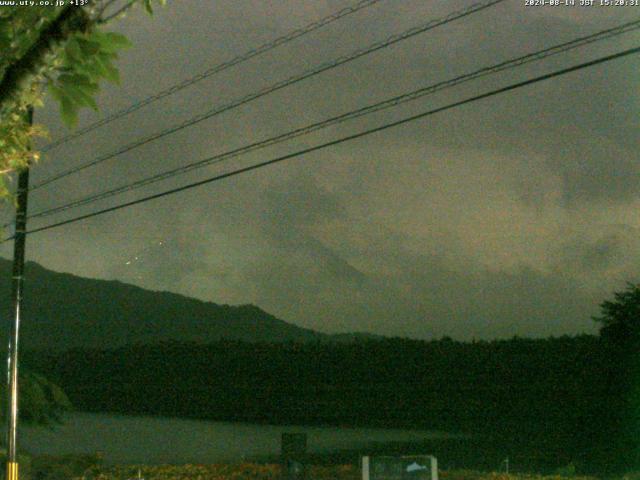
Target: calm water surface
(156,440)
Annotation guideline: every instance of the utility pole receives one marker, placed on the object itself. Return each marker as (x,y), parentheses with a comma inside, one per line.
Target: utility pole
(16,298)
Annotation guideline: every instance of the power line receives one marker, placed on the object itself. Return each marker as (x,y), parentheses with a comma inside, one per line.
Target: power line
(388,103)
(305,151)
(266,47)
(277,86)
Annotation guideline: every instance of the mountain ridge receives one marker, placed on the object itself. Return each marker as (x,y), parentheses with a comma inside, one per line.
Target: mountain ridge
(63,311)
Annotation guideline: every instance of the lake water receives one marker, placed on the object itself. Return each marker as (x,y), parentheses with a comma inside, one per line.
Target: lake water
(156,440)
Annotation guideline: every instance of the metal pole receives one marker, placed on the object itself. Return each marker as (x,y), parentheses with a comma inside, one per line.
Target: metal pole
(16,294)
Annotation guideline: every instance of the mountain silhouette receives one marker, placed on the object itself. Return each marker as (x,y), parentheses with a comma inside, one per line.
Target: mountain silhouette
(62,311)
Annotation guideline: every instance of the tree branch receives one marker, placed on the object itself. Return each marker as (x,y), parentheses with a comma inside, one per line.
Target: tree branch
(17,76)
(103,8)
(118,12)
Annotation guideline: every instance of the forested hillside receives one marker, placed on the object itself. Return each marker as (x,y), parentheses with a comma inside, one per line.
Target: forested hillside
(64,311)
(554,397)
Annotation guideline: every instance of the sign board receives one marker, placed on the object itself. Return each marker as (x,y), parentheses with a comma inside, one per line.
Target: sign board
(415,467)
(293,453)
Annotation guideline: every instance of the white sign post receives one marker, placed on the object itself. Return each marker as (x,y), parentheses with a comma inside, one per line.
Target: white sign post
(414,467)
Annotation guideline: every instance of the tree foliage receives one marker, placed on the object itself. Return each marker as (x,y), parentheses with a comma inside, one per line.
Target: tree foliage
(86,59)
(620,317)
(542,397)
(63,50)
(41,401)
(620,371)
(66,51)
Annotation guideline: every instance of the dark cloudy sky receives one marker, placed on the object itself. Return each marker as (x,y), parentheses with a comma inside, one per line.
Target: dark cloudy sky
(514,215)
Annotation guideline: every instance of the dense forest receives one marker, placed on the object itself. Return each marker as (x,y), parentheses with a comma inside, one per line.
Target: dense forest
(561,398)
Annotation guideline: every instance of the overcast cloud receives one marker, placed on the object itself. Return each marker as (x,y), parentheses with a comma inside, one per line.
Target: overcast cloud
(515,215)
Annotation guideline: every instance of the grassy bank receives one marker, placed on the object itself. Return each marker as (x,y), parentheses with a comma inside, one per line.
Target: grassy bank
(89,467)
(272,471)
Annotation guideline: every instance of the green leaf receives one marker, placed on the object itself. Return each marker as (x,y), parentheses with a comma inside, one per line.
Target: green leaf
(91,69)
(147,7)
(69,112)
(73,52)
(56,92)
(111,42)
(68,108)
(88,47)
(89,89)
(75,79)
(5,37)
(80,97)
(110,73)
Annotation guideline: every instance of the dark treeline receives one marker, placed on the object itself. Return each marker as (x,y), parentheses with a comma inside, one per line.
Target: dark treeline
(560,398)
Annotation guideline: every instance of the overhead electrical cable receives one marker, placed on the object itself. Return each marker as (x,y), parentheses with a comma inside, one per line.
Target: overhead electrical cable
(388,103)
(266,47)
(341,140)
(476,7)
